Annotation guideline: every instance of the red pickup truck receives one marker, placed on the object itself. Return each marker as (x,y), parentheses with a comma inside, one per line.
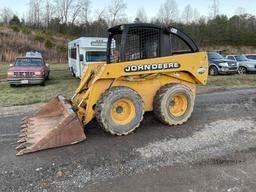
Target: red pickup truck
(28,70)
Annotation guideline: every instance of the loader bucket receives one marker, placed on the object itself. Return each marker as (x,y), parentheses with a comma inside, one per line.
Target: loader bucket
(55,125)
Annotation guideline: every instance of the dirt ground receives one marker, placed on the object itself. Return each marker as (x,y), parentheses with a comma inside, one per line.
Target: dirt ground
(214,151)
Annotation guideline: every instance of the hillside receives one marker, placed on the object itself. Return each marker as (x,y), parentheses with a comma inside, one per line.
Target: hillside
(17,41)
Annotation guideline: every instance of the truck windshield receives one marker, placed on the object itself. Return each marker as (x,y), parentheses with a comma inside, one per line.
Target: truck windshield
(214,55)
(241,58)
(29,62)
(95,56)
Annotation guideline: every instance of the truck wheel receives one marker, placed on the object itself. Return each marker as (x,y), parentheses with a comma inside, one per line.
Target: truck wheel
(173,104)
(43,83)
(119,110)
(72,71)
(213,70)
(242,70)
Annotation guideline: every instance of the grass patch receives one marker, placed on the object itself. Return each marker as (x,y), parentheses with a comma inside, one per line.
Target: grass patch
(224,82)
(62,82)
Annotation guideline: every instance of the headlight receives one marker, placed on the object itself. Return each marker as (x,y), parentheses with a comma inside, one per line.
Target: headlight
(38,73)
(223,64)
(10,73)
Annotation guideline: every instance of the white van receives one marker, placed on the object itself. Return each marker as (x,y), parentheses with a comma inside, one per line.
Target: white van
(85,50)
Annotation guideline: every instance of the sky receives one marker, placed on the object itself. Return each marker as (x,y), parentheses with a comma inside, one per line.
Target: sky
(227,7)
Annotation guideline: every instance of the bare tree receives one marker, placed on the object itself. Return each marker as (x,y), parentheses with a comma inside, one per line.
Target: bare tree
(35,12)
(100,14)
(75,11)
(85,10)
(116,11)
(196,15)
(141,15)
(187,14)
(63,8)
(240,11)
(168,12)
(214,9)
(6,15)
(48,13)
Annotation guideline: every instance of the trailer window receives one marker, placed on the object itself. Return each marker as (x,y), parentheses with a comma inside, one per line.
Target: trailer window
(73,53)
(95,56)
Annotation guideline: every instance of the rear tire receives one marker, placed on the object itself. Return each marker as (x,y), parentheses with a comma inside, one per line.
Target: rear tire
(173,104)
(213,71)
(119,110)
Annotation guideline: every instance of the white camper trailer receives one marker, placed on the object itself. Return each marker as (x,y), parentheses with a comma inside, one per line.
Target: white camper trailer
(85,50)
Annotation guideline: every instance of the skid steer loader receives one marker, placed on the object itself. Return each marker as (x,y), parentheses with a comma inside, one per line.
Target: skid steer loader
(143,72)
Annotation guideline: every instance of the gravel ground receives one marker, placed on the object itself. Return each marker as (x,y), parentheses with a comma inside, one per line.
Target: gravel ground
(214,151)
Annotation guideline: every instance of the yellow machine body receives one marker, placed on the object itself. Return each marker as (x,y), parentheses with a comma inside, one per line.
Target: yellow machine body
(99,77)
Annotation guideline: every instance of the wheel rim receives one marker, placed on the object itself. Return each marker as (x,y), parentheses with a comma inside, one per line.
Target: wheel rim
(123,111)
(212,71)
(178,105)
(241,70)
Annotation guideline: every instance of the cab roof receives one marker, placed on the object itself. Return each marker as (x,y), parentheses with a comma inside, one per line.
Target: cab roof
(120,28)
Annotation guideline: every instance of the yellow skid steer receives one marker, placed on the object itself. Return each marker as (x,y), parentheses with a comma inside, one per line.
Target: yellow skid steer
(148,68)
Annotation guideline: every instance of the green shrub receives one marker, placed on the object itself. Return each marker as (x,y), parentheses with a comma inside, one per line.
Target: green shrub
(48,44)
(49,33)
(26,31)
(39,37)
(15,28)
(61,48)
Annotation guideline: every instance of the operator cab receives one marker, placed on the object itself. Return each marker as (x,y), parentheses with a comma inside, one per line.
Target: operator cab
(145,41)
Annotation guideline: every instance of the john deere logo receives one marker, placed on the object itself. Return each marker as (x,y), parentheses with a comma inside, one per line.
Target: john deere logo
(153,67)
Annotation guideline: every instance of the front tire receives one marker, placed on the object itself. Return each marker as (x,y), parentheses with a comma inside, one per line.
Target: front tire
(119,110)
(242,70)
(173,104)
(42,84)
(213,71)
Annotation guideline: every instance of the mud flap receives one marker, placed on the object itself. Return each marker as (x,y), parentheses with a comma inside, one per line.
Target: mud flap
(55,125)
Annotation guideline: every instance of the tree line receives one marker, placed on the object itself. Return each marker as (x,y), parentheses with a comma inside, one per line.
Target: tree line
(78,18)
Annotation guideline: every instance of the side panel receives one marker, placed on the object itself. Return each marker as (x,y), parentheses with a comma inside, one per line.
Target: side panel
(195,64)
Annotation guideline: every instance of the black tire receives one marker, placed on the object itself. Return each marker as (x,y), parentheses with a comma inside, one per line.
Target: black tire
(47,77)
(12,85)
(42,84)
(213,71)
(104,110)
(242,70)
(72,71)
(164,98)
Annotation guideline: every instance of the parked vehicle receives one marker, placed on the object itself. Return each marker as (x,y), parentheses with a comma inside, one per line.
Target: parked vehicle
(219,65)
(85,50)
(245,65)
(28,70)
(251,56)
